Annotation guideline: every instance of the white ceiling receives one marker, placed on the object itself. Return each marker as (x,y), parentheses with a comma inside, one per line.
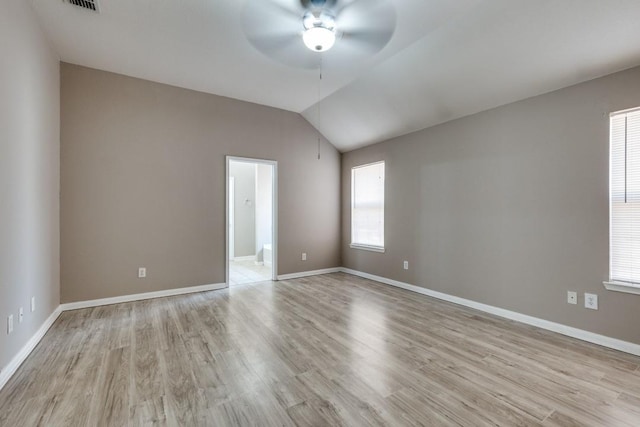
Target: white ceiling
(446,59)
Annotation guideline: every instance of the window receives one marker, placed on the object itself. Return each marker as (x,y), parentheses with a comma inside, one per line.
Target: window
(367,207)
(624,198)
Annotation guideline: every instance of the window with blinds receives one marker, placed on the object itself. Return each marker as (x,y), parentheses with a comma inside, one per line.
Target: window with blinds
(624,194)
(367,207)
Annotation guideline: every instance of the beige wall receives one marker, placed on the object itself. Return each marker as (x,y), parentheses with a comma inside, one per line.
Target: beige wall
(29,175)
(508,207)
(143,184)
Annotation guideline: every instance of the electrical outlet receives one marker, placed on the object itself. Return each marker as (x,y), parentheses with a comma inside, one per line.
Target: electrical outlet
(9,324)
(21,315)
(591,301)
(304,256)
(572,297)
(406,265)
(142,273)
(33,304)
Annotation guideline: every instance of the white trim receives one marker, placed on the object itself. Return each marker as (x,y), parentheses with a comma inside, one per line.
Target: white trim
(274,216)
(26,350)
(622,287)
(591,337)
(367,247)
(137,297)
(8,371)
(227,221)
(309,273)
(361,246)
(245,258)
(614,343)
(627,111)
(17,360)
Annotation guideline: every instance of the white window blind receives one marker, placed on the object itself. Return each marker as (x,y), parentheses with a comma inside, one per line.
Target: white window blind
(625,197)
(367,206)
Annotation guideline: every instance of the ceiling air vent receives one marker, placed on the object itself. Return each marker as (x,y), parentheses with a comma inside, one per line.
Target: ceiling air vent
(87,4)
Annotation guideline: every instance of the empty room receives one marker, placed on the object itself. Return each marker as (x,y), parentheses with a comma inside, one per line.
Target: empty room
(319,213)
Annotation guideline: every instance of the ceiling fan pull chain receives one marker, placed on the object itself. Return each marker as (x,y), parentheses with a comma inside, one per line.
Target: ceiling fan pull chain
(318,106)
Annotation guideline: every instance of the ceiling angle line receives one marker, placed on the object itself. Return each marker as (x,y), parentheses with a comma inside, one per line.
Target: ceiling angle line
(318,106)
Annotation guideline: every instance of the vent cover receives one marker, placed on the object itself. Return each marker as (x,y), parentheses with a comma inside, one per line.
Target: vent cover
(87,4)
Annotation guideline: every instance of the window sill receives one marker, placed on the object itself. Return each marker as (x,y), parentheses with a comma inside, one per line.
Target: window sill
(622,287)
(379,249)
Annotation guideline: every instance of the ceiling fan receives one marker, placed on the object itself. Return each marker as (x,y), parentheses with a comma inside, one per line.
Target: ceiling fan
(293,32)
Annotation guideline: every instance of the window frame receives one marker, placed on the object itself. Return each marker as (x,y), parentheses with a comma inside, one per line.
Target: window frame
(363,246)
(611,284)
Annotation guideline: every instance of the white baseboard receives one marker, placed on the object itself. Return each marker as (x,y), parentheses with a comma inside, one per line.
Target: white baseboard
(137,297)
(15,363)
(245,258)
(591,337)
(26,350)
(570,331)
(309,273)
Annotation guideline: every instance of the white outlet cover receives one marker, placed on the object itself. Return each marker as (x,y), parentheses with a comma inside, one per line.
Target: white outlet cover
(406,265)
(572,297)
(33,304)
(10,324)
(142,272)
(304,256)
(591,301)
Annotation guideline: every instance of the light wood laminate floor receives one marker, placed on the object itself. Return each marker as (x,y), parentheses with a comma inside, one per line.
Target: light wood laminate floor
(324,350)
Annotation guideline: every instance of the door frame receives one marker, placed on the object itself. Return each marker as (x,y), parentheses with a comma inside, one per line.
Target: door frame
(274,212)
(231,248)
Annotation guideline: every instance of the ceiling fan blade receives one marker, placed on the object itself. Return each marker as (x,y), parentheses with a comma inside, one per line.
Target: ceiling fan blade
(285,7)
(366,25)
(274,28)
(271,17)
(355,15)
(343,5)
(368,42)
(287,49)
(271,43)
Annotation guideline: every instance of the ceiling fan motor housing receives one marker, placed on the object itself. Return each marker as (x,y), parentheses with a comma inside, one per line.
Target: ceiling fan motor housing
(321,18)
(276,27)
(317,3)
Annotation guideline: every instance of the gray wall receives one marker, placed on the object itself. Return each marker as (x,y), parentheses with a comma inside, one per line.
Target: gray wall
(143,184)
(508,207)
(29,175)
(244,175)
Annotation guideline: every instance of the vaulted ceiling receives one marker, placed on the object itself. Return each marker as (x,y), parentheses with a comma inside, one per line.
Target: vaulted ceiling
(446,58)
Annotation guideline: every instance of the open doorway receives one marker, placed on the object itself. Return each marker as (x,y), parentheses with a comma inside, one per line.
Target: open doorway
(251,220)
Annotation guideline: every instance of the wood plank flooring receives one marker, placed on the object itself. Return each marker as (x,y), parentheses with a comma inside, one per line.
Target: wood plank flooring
(325,350)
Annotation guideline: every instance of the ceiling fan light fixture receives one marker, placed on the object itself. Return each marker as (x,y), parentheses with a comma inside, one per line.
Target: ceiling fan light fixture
(319,30)
(319,39)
